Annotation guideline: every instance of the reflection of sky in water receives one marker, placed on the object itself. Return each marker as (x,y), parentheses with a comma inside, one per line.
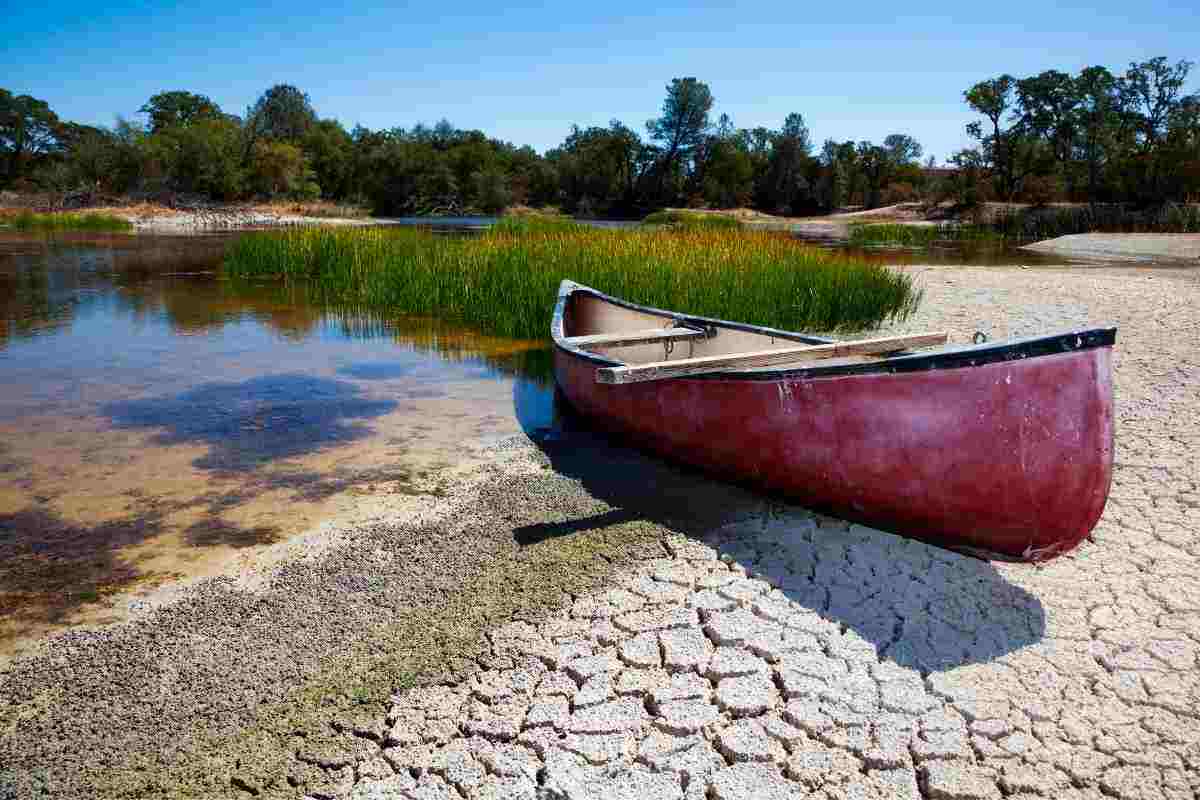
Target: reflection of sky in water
(153,418)
(91,328)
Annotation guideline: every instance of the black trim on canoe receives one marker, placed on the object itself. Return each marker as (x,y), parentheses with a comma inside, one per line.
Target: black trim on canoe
(974,356)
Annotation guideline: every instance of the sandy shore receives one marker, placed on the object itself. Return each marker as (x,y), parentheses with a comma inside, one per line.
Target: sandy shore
(1162,247)
(578,620)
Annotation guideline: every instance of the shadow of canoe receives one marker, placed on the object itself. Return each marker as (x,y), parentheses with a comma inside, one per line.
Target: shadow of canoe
(920,606)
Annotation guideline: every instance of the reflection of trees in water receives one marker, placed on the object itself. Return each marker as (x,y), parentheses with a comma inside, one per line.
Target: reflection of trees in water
(27,307)
(50,566)
(45,285)
(451,342)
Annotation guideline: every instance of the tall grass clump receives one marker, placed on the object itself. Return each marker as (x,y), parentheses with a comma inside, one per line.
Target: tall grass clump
(506,281)
(895,235)
(691,220)
(1032,224)
(30,221)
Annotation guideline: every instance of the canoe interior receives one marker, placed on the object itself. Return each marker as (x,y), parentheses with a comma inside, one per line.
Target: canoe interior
(587,315)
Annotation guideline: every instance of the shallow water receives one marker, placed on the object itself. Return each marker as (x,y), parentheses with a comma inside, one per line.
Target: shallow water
(157,422)
(976,254)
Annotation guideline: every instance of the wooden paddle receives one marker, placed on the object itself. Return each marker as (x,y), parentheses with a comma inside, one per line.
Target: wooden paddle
(680,368)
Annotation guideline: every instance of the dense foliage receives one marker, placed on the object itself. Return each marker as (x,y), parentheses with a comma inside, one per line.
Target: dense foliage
(505,282)
(1096,136)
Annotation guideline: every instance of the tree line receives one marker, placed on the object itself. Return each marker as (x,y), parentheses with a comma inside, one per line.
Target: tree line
(1095,136)
(1091,137)
(281,148)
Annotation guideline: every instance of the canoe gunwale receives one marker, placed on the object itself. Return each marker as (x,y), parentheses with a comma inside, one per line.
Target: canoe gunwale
(967,356)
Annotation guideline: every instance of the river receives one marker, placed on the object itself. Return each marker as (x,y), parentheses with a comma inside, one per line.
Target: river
(157,423)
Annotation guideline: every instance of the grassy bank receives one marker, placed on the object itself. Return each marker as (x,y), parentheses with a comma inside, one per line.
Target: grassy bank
(1025,225)
(1034,224)
(897,235)
(30,221)
(505,281)
(679,219)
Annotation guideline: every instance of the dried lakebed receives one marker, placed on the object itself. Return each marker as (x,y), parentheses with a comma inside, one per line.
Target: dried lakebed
(575,620)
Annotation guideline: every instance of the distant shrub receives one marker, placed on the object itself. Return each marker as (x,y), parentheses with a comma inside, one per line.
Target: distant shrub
(1032,224)
(691,220)
(896,235)
(28,221)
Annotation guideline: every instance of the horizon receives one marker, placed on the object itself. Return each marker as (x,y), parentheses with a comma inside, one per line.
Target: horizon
(493,74)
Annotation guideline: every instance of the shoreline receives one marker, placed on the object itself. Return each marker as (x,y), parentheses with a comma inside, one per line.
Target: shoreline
(930,671)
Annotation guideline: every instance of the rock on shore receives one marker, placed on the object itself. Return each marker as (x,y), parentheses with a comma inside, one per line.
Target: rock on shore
(232,218)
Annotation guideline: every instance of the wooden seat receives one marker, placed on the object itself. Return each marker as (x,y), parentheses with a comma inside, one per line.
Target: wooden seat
(629,338)
(683,367)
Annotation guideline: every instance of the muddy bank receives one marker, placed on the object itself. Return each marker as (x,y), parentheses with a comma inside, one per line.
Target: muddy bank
(236,682)
(1181,248)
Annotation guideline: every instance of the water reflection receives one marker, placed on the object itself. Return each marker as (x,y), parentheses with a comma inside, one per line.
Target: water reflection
(262,419)
(972,253)
(156,420)
(376,371)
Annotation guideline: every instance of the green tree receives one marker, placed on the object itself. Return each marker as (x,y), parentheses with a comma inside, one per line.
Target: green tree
(605,166)
(279,169)
(27,133)
(1099,115)
(1152,94)
(1049,109)
(787,184)
(491,189)
(282,114)
(682,126)
(206,157)
(330,150)
(876,165)
(1012,154)
(178,109)
(724,170)
(90,157)
(840,174)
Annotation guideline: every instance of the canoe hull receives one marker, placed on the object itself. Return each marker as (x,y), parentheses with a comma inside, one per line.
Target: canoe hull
(1012,457)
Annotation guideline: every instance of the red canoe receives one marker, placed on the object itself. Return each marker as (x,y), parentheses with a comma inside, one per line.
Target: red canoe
(1000,449)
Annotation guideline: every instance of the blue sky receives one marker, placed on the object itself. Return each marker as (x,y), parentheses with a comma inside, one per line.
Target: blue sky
(525,73)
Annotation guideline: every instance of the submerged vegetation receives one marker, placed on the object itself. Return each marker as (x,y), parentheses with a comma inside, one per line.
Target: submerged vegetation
(30,221)
(505,282)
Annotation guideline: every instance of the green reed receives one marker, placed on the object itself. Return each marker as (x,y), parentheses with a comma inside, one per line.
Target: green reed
(505,282)
(896,235)
(31,221)
(691,220)
(1033,224)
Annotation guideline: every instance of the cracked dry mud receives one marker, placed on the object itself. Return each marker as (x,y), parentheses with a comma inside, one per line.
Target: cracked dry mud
(767,652)
(792,655)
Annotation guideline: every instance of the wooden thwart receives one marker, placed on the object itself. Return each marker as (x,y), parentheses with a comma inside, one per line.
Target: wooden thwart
(683,367)
(628,338)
